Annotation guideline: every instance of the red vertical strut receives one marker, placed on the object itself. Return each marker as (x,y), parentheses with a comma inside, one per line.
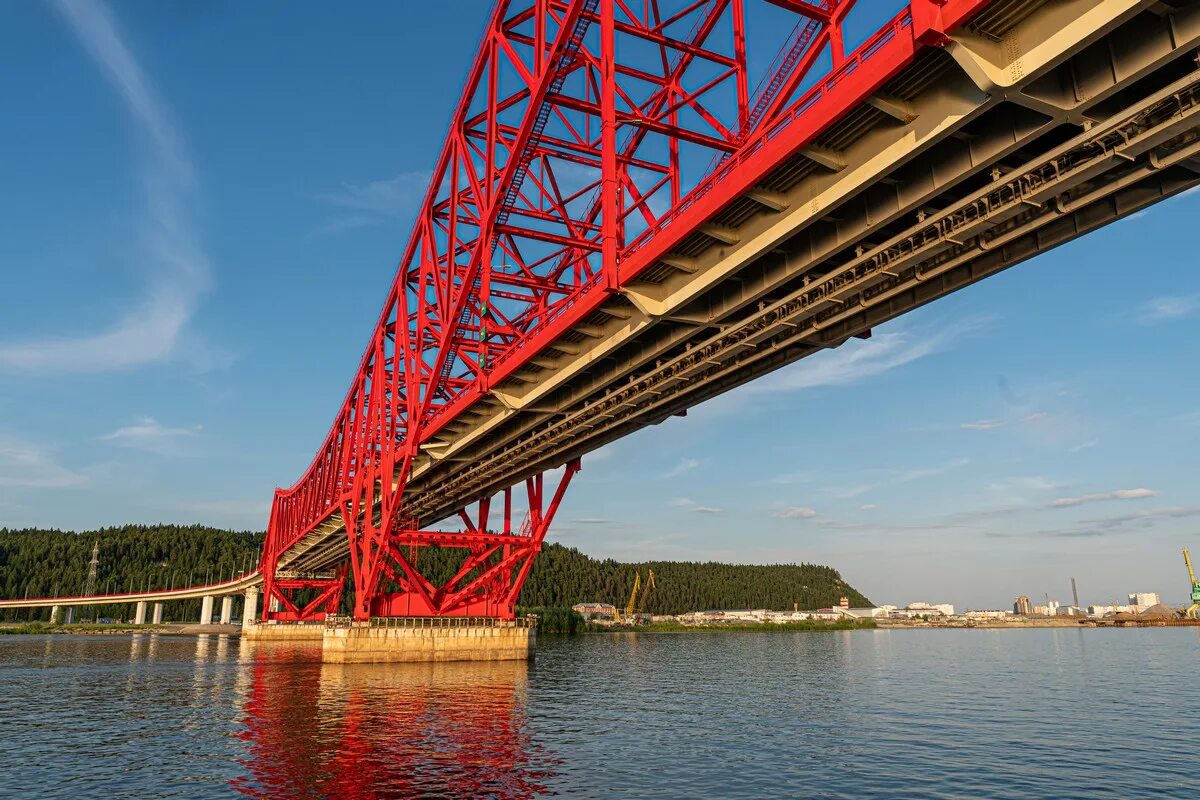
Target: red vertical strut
(592,138)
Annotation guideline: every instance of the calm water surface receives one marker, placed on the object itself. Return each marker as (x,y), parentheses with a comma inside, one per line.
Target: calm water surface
(860,714)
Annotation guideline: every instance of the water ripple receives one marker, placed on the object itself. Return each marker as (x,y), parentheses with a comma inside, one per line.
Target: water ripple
(855,714)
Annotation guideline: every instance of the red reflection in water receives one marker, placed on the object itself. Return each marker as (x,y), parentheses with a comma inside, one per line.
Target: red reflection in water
(384,730)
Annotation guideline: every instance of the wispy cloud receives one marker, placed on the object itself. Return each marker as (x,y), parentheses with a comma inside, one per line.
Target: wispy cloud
(592,521)
(1167,308)
(795,512)
(807,476)
(691,505)
(1122,522)
(859,359)
(992,424)
(684,465)
(361,204)
(897,477)
(27,466)
(148,434)
(177,266)
(1116,494)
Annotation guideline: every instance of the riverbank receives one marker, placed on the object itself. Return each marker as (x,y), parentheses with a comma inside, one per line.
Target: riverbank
(764,627)
(1043,622)
(85,629)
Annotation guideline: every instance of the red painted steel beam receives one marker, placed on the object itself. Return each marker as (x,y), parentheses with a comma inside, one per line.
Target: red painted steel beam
(572,164)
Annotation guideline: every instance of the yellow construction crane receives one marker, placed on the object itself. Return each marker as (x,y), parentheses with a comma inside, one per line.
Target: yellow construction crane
(637,597)
(1194,608)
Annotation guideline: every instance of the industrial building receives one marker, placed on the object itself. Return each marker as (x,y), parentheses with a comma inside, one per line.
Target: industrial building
(1144,599)
(590,611)
(918,610)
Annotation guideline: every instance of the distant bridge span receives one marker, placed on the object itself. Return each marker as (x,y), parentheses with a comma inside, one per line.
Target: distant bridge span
(639,206)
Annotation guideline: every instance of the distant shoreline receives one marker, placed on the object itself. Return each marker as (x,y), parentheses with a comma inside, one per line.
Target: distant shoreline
(85,629)
(766,627)
(1048,622)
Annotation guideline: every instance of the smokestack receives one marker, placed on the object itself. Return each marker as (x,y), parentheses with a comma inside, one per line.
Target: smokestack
(1074,592)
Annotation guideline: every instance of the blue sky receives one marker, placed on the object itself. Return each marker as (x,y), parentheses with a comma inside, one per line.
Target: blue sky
(204,204)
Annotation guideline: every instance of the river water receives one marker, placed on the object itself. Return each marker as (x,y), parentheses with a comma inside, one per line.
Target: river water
(1063,713)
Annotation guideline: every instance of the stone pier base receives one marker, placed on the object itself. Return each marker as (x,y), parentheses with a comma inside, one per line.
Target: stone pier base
(287,632)
(414,640)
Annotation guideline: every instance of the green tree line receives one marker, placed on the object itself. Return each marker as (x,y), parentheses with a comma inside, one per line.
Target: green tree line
(41,563)
(53,563)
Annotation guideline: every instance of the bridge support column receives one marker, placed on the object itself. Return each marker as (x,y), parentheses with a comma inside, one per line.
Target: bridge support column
(250,607)
(489,578)
(158,613)
(55,614)
(206,610)
(226,609)
(306,598)
(70,615)
(139,614)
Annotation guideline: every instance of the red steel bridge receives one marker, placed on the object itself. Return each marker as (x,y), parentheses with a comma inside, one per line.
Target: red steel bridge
(640,204)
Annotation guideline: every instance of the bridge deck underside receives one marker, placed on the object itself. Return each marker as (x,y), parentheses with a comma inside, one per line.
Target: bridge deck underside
(1041,122)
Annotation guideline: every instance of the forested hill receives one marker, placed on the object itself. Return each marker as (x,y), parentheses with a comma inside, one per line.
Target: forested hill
(565,576)
(37,563)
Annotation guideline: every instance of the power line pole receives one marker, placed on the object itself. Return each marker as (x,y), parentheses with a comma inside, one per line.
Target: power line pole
(89,588)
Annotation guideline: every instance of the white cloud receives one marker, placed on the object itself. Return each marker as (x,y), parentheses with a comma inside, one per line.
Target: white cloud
(1117,494)
(684,465)
(591,521)
(691,505)
(868,507)
(147,434)
(371,203)
(1032,483)
(982,425)
(23,465)
(795,512)
(1167,308)
(175,261)
(859,359)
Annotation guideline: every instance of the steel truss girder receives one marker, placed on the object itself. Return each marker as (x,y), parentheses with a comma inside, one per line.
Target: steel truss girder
(510,247)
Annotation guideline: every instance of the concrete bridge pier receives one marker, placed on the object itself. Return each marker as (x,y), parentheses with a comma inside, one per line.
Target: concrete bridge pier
(158,613)
(250,607)
(226,609)
(423,640)
(70,615)
(139,615)
(206,610)
(55,614)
